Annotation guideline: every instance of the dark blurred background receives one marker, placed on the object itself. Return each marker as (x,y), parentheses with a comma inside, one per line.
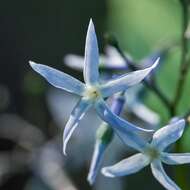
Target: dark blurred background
(45,31)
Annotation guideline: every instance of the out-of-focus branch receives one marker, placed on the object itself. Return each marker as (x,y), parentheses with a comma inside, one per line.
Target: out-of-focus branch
(184,59)
(150,84)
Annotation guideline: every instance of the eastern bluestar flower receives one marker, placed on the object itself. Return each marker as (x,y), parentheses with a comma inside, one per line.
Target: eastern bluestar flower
(113,60)
(93,91)
(152,153)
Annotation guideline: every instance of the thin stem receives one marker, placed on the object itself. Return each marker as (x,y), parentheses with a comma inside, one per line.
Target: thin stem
(184,62)
(151,85)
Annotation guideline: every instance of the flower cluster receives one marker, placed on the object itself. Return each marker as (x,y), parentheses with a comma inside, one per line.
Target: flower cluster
(98,92)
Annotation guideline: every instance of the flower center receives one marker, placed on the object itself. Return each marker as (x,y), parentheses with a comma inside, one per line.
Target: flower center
(92,93)
(152,153)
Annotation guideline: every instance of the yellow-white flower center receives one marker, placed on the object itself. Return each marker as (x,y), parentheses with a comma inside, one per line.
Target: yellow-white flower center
(92,93)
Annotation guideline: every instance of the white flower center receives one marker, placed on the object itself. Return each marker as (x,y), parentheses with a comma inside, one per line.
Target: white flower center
(92,93)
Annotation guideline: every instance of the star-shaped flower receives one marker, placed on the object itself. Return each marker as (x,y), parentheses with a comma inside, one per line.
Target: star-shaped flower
(114,61)
(93,91)
(151,153)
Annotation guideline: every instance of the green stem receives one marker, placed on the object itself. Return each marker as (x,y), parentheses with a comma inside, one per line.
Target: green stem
(184,62)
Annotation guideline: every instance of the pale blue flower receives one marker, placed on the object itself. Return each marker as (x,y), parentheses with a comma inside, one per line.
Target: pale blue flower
(93,91)
(152,153)
(113,60)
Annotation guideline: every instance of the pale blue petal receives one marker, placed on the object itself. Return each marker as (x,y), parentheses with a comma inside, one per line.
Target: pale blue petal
(168,134)
(148,61)
(59,79)
(74,61)
(174,119)
(76,115)
(128,132)
(176,158)
(96,162)
(117,104)
(127,166)
(125,81)
(91,74)
(161,176)
(145,114)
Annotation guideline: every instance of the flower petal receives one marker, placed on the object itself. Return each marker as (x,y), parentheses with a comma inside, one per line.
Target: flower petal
(96,162)
(76,115)
(59,79)
(125,81)
(125,130)
(168,134)
(91,61)
(161,176)
(127,166)
(145,114)
(74,61)
(176,158)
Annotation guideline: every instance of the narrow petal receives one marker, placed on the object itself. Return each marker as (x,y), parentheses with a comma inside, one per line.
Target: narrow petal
(168,134)
(91,62)
(175,159)
(125,81)
(76,115)
(161,176)
(96,162)
(128,132)
(59,79)
(74,61)
(148,61)
(127,166)
(117,104)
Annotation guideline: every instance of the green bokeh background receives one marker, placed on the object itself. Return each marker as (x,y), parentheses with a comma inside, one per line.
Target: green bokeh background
(45,31)
(143,27)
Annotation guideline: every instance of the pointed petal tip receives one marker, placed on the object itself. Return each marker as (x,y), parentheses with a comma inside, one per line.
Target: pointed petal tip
(90,179)
(91,21)
(64,150)
(91,25)
(179,122)
(64,145)
(182,121)
(156,63)
(105,172)
(32,63)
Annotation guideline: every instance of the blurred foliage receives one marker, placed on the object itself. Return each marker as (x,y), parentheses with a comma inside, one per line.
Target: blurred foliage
(145,26)
(142,27)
